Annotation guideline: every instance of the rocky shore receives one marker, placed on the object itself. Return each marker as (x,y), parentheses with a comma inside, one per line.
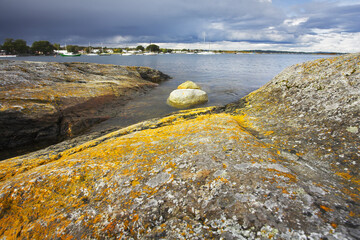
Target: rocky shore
(48,102)
(282,163)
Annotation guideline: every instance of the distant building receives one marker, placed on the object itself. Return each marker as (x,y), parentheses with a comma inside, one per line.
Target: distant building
(60,51)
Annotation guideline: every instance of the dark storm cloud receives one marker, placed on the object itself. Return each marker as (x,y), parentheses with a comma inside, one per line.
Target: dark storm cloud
(122,22)
(137,20)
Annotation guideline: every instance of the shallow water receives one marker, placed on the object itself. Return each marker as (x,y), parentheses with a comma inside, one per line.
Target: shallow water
(225,77)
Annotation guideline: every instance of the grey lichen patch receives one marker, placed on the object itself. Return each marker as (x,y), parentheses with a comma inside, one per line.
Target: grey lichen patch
(352,129)
(159,179)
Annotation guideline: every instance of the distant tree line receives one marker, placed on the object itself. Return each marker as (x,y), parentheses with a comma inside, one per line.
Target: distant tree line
(19,47)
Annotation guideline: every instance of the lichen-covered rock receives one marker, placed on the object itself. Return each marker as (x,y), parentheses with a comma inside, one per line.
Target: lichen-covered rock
(282,163)
(188,85)
(184,98)
(47,101)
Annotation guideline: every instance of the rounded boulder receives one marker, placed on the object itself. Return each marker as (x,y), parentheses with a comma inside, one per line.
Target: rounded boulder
(188,85)
(183,98)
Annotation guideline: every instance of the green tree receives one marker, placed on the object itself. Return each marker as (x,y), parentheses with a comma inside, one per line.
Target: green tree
(20,46)
(56,46)
(8,46)
(165,50)
(117,50)
(153,48)
(140,48)
(42,47)
(72,48)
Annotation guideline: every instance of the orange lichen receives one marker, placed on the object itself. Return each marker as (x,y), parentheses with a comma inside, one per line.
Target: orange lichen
(98,171)
(267,133)
(134,183)
(291,177)
(348,176)
(135,218)
(222,179)
(326,209)
(124,154)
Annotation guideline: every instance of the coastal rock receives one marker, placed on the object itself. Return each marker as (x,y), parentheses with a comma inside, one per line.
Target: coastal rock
(45,102)
(188,85)
(282,163)
(183,98)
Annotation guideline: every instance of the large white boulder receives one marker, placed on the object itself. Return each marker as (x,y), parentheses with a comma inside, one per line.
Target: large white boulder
(183,98)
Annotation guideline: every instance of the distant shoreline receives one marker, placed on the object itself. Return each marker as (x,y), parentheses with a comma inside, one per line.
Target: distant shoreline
(194,51)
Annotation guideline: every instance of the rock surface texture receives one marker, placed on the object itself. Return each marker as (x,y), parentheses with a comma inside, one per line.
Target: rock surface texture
(186,95)
(47,101)
(282,163)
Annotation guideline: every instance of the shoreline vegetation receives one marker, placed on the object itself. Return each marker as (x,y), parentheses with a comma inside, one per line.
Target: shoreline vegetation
(18,47)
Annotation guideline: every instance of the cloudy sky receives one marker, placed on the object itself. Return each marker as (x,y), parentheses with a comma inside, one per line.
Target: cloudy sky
(296,25)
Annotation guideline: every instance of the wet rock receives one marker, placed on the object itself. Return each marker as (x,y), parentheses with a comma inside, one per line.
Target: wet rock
(279,164)
(45,102)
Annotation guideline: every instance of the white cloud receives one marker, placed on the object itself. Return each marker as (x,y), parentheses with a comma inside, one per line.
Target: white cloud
(330,42)
(217,26)
(264,35)
(347,2)
(295,21)
(119,39)
(326,42)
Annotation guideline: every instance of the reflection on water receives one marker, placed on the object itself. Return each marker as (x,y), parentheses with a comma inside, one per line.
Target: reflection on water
(226,78)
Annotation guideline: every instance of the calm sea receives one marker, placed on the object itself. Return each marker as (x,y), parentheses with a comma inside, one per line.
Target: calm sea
(225,77)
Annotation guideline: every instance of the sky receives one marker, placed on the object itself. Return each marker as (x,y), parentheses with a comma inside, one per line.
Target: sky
(287,25)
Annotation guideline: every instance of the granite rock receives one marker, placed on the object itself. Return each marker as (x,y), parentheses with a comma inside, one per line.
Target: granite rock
(46,102)
(184,98)
(281,163)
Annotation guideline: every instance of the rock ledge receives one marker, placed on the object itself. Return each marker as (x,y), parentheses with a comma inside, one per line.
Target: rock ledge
(46,102)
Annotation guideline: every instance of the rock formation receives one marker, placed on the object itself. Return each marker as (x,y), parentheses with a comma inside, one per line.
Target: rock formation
(282,163)
(187,94)
(44,102)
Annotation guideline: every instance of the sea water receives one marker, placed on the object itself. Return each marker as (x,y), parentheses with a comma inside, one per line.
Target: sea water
(225,77)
